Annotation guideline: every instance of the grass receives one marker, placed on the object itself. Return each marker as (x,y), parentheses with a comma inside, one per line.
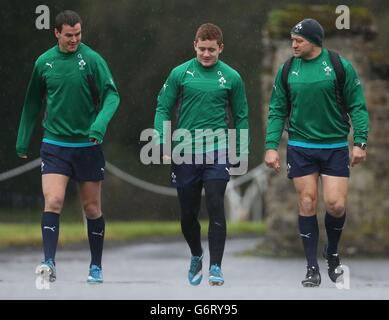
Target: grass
(29,234)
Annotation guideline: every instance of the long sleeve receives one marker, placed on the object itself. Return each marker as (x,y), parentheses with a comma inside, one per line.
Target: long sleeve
(355,101)
(32,106)
(277,114)
(109,99)
(239,109)
(167,99)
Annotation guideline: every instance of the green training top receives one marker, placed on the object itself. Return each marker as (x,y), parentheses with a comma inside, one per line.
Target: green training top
(60,80)
(316,118)
(203,96)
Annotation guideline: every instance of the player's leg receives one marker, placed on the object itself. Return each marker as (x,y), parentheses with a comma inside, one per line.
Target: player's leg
(186,177)
(89,166)
(216,177)
(55,171)
(335,195)
(303,168)
(214,196)
(90,195)
(335,172)
(307,189)
(53,186)
(190,199)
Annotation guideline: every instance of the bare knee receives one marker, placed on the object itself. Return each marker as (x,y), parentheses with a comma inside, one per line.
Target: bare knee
(92,210)
(336,207)
(53,204)
(307,205)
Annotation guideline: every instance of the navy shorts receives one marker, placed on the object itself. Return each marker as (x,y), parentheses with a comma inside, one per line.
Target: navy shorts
(185,174)
(80,164)
(305,161)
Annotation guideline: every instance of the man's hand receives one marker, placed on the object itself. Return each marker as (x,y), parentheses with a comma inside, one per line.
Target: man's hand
(94,140)
(272,160)
(166,158)
(358,156)
(23,156)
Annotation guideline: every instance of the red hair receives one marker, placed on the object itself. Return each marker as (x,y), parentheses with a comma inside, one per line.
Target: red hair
(209,31)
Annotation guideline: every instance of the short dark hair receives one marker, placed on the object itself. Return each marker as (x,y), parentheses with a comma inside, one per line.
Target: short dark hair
(209,31)
(68,17)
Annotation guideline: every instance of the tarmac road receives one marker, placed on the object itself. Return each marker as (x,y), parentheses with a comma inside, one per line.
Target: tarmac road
(157,271)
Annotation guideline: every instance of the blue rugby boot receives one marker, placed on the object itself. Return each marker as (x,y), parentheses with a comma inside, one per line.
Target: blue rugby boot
(215,276)
(95,275)
(194,275)
(47,270)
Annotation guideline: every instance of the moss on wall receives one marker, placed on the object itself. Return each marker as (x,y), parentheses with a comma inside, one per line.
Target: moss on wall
(379,61)
(280,22)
